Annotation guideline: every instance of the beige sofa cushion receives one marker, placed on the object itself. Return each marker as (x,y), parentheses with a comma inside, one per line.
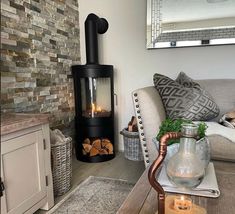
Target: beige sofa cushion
(223,92)
(221,148)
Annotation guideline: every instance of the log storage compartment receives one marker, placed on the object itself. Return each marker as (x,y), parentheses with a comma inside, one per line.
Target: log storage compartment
(94,100)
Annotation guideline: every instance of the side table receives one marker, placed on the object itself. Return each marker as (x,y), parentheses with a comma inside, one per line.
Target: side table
(143,198)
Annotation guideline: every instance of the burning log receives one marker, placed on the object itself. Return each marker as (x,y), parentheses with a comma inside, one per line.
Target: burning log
(102,113)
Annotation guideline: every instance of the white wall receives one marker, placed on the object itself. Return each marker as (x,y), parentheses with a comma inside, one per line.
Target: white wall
(123,46)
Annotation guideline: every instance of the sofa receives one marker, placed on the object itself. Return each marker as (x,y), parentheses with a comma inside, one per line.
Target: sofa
(150,112)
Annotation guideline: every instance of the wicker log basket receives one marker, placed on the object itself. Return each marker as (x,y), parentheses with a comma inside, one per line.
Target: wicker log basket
(61,159)
(132,147)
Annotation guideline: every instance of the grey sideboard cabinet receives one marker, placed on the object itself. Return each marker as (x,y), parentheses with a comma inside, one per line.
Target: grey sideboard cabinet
(26,179)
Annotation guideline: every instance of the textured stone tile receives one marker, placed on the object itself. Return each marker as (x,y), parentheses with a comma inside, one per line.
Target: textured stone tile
(15,32)
(4,35)
(39,24)
(5,7)
(11,48)
(20,100)
(31,70)
(19,85)
(60,11)
(30,84)
(22,64)
(8,79)
(7,85)
(44,93)
(7,66)
(10,15)
(20,90)
(8,41)
(8,74)
(52,97)
(62,32)
(30,31)
(5,2)
(40,43)
(17,6)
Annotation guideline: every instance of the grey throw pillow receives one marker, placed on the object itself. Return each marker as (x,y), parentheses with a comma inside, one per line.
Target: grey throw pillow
(186,81)
(185,98)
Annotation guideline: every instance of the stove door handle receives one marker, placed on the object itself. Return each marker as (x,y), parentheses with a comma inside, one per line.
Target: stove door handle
(116,100)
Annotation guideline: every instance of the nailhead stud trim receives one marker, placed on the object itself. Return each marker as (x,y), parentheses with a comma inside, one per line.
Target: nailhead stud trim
(141,128)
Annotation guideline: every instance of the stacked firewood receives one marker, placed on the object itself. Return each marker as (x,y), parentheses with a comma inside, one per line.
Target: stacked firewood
(132,125)
(97,147)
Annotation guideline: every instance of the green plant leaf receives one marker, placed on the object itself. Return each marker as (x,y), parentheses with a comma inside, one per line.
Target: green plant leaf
(170,125)
(202,130)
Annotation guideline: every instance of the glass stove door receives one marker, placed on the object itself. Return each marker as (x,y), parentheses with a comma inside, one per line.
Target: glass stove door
(96,97)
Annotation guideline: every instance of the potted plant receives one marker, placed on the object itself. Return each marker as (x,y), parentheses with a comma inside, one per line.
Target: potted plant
(202,144)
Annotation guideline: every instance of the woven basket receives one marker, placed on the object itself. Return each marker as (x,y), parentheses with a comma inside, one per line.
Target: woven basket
(61,159)
(132,147)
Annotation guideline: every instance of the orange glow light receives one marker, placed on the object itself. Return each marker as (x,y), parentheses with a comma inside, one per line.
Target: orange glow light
(93,107)
(183,203)
(98,109)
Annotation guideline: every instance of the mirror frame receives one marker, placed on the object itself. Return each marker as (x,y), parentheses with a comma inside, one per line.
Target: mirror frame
(153,32)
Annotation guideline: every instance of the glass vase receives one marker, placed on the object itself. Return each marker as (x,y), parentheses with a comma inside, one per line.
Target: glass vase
(185,169)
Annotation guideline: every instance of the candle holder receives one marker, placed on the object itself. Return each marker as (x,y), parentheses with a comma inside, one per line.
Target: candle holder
(182,203)
(171,204)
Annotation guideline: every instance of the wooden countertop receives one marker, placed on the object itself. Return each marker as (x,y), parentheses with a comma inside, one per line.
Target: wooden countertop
(18,121)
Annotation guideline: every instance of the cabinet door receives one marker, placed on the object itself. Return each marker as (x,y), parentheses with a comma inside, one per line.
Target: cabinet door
(23,172)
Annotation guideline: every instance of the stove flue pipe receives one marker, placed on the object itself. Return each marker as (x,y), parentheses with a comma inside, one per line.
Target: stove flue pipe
(93,26)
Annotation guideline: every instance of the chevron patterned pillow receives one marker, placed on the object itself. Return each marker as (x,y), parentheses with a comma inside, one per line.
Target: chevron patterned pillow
(185,98)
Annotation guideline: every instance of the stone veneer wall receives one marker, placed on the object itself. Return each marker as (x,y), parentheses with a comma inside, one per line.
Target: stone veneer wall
(39,41)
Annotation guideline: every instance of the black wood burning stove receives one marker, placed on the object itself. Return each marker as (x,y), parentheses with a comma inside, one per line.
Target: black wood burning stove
(94,99)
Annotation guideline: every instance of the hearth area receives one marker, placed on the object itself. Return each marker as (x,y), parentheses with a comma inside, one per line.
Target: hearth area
(94,100)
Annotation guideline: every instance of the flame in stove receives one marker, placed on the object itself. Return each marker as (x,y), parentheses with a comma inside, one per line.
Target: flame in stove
(95,108)
(98,109)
